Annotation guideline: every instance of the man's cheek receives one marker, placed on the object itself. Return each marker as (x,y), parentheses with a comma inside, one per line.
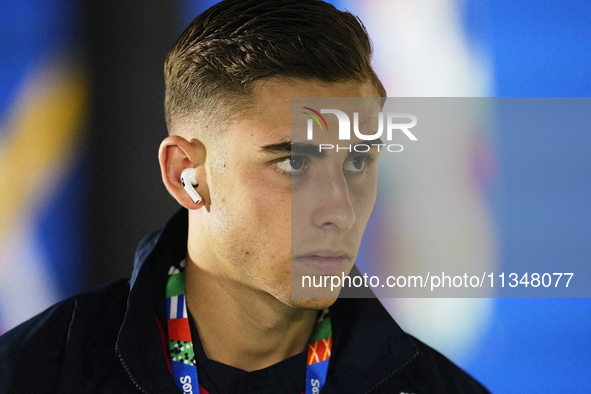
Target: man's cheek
(274,224)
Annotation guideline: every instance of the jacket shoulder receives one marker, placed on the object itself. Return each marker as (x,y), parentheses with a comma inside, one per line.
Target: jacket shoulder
(32,354)
(433,372)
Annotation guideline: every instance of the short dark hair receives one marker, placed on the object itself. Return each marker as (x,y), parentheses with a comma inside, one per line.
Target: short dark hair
(211,67)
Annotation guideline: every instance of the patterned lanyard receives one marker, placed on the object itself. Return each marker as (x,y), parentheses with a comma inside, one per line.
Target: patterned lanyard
(182,355)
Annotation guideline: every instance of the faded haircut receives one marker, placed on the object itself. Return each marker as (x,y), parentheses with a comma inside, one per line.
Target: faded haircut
(210,71)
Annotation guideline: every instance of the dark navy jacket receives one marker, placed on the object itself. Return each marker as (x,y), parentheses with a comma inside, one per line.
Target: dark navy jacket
(108,341)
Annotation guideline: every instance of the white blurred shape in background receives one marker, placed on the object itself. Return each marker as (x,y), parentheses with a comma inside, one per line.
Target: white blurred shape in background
(421,49)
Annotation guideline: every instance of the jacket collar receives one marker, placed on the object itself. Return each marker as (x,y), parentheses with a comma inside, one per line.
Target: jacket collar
(368,346)
(139,346)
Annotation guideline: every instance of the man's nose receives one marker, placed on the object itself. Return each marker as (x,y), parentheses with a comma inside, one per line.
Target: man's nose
(333,208)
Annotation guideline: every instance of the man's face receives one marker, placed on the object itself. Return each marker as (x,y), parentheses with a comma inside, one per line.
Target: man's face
(272,207)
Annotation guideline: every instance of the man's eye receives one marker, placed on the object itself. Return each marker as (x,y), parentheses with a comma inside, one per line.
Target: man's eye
(292,164)
(355,163)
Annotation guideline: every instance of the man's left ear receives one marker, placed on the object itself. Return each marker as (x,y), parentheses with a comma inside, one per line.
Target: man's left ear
(177,154)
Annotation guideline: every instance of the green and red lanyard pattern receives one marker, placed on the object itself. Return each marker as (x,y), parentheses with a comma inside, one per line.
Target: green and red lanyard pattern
(182,355)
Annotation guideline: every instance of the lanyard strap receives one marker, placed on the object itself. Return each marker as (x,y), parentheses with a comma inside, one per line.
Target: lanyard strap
(182,354)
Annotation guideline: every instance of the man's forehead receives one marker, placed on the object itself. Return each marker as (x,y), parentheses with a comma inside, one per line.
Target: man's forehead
(278,94)
(276,112)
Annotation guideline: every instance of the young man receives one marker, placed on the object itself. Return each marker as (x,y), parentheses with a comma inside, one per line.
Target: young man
(209,308)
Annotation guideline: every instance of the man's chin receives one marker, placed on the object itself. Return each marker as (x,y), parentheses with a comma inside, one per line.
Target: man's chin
(311,303)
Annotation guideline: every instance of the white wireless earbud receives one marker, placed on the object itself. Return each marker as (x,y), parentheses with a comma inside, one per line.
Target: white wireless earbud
(188,180)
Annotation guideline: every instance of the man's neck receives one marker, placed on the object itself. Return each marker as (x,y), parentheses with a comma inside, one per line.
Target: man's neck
(243,327)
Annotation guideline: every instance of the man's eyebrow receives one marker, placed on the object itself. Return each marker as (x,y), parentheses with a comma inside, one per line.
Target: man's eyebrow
(296,147)
(281,147)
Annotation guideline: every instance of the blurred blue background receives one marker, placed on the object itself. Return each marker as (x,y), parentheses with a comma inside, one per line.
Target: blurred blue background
(81,119)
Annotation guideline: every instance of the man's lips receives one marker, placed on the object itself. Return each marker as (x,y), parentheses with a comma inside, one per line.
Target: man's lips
(325,261)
